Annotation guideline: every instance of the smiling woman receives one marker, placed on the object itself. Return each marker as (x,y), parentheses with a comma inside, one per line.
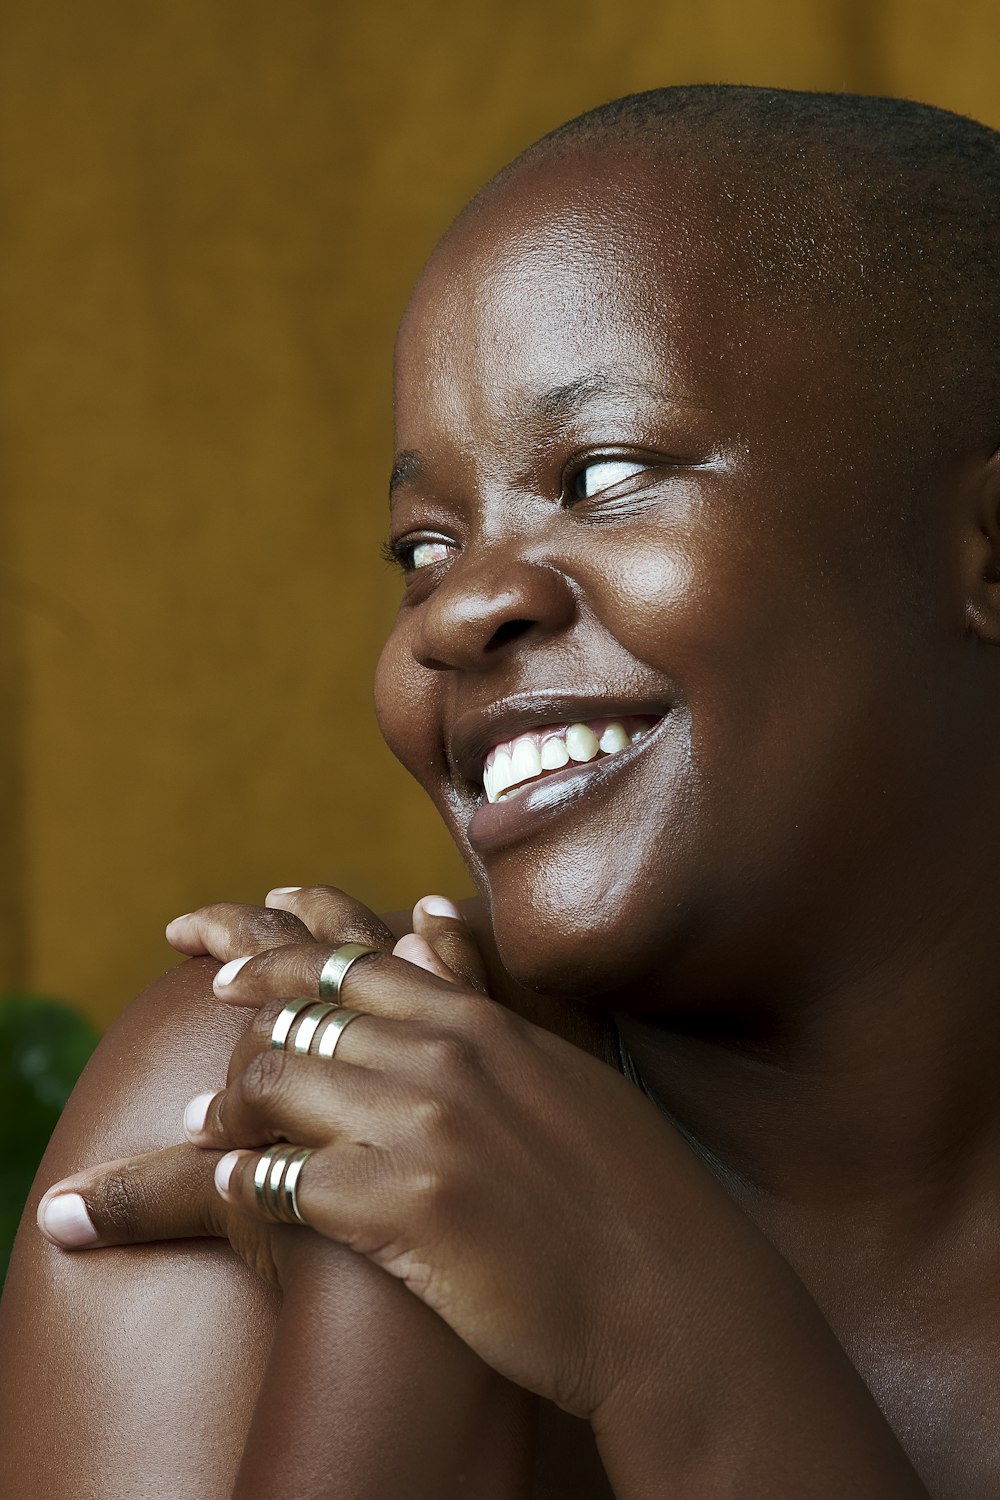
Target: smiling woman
(697,502)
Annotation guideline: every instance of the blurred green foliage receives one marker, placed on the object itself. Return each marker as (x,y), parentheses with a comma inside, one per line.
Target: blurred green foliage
(44,1045)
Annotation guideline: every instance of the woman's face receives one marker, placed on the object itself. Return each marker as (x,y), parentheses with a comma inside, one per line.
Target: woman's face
(627,495)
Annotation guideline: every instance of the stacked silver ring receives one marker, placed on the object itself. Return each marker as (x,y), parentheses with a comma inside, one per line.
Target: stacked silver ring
(310,1027)
(276,1180)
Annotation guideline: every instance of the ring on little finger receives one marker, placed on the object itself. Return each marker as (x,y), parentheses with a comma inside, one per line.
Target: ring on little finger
(276,1181)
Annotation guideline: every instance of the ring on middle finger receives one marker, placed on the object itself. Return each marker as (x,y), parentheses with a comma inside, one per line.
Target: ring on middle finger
(286,1018)
(334,1030)
(307,1025)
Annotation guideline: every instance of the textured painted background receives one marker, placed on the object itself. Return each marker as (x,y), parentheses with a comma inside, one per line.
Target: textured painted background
(210,217)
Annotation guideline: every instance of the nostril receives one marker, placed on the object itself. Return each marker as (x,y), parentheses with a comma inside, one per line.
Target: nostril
(508,631)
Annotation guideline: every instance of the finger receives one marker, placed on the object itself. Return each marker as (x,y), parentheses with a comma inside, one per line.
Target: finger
(341,1192)
(376,982)
(282,1097)
(282,971)
(331,915)
(310,1024)
(164,1195)
(440,923)
(228,930)
(418,951)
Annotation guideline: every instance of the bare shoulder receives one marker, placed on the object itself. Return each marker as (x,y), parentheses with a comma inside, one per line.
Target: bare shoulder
(173,1041)
(84,1360)
(112,1362)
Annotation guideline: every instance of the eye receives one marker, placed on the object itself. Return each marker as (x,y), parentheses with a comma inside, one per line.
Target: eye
(602,473)
(422,554)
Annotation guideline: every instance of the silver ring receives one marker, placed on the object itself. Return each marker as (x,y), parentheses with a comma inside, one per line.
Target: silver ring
(291,1183)
(332,974)
(285,1020)
(335,1029)
(275,1181)
(309,1025)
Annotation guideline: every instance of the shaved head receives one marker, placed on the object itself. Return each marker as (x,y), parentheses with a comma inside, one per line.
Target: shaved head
(878,217)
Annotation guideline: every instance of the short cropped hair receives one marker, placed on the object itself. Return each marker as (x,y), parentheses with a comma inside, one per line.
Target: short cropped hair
(883,213)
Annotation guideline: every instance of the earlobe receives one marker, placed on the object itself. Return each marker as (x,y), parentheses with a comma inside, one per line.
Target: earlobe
(981,559)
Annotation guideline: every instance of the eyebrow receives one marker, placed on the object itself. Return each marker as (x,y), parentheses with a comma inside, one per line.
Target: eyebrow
(406,468)
(562,400)
(553,405)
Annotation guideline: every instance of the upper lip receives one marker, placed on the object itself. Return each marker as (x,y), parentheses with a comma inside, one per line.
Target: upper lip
(477,730)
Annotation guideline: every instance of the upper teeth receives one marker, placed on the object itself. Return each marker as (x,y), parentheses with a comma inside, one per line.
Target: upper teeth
(551,747)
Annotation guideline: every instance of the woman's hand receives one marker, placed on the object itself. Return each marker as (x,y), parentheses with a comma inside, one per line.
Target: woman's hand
(501,1173)
(171,1194)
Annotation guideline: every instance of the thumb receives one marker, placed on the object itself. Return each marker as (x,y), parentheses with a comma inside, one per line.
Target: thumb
(163,1195)
(441,925)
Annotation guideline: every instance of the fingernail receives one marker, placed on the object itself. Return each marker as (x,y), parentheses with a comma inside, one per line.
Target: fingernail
(195,1114)
(174,921)
(229,971)
(439,906)
(416,951)
(283,890)
(224,1170)
(64,1220)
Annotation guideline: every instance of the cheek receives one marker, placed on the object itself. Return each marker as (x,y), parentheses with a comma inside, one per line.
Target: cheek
(408,709)
(402,707)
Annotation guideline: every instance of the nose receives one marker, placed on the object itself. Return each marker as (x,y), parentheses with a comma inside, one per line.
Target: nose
(482,609)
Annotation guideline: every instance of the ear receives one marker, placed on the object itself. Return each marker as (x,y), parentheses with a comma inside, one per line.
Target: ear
(981,558)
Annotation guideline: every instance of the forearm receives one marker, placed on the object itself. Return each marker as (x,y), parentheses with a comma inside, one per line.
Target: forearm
(740,1388)
(378,1399)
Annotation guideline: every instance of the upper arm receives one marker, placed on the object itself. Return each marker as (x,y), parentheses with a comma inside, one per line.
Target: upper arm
(104,1355)
(134,1371)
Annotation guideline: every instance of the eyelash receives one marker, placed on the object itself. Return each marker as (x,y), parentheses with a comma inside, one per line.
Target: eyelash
(400,554)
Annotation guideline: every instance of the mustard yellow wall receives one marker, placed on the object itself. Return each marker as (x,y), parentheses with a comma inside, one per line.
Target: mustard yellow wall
(210,216)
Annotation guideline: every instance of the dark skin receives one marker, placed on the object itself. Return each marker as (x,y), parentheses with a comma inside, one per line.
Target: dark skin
(786,894)
(837,1060)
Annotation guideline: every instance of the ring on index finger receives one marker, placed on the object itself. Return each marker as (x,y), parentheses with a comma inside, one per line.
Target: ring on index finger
(298,1023)
(335,969)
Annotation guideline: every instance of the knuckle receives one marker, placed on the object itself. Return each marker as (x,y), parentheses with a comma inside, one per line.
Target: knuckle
(228,914)
(118,1203)
(263,1023)
(269,968)
(262,961)
(427,1185)
(263,1079)
(328,893)
(431,1196)
(254,927)
(449,1052)
(431,1113)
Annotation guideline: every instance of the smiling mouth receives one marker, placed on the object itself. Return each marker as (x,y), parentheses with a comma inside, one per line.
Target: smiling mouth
(512,766)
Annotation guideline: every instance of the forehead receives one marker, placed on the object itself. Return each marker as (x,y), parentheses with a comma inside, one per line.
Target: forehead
(578,274)
(630,284)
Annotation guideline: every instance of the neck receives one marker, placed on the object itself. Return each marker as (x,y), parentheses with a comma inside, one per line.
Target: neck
(872,1100)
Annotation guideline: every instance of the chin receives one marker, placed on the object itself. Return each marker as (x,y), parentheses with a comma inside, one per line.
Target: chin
(582,949)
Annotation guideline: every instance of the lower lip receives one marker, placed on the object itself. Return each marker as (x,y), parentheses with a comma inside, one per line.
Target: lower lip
(517,816)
